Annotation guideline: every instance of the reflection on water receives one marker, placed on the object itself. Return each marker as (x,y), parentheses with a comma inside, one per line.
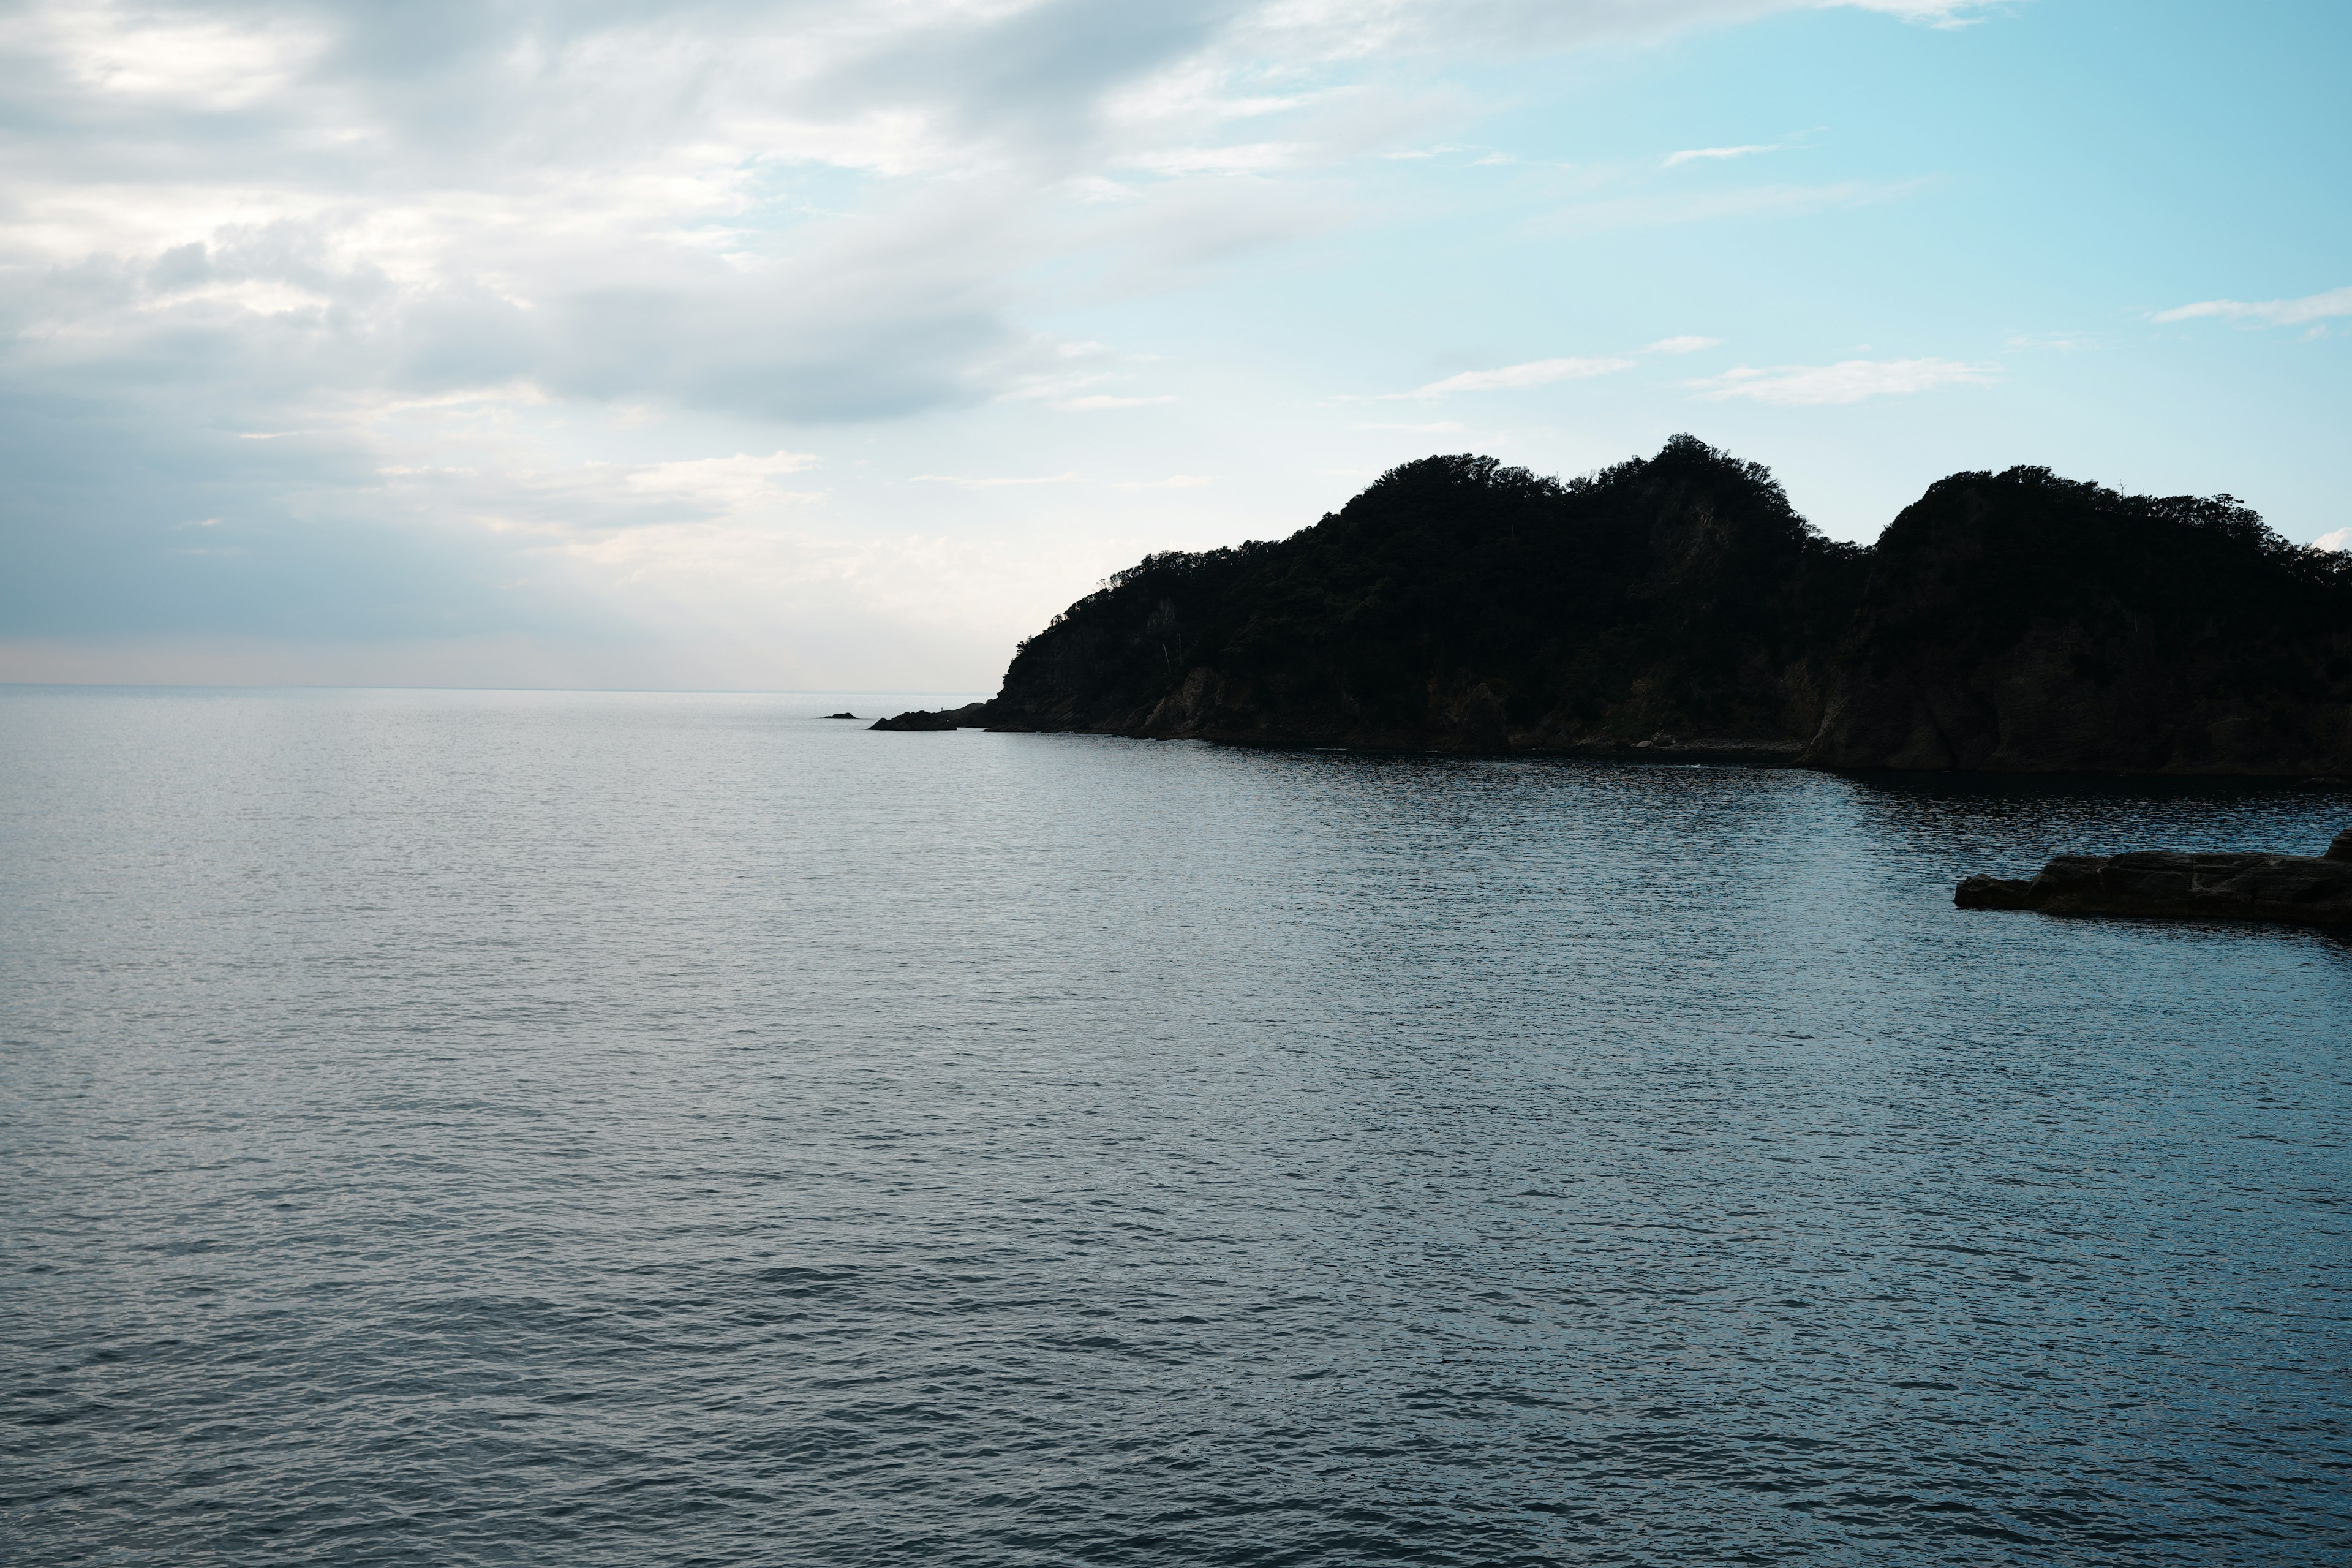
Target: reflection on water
(450,1127)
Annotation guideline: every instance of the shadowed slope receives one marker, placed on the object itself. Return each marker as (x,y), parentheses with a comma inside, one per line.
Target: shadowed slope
(2023,622)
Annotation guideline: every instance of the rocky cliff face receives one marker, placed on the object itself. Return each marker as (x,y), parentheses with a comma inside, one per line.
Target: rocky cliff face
(1677,605)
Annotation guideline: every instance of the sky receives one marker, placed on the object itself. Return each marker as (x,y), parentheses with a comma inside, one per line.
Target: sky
(835,346)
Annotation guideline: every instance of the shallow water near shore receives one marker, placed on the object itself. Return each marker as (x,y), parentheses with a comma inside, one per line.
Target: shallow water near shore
(608,1128)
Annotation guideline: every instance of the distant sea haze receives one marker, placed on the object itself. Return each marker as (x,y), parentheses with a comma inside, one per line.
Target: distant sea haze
(450,1128)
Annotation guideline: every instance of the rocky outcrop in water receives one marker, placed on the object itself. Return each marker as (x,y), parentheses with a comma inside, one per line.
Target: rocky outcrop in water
(971,716)
(2170,884)
(1678,607)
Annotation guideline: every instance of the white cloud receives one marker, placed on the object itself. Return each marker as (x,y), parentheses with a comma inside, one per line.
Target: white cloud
(1355,30)
(1849,381)
(1104,400)
(1935,12)
(722,483)
(991,484)
(1682,345)
(1440,427)
(2267,312)
(1717,154)
(2059,342)
(1253,158)
(2340,539)
(1512,377)
(205,63)
(1663,209)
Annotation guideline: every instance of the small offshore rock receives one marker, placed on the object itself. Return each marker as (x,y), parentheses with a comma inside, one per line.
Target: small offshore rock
(838,715)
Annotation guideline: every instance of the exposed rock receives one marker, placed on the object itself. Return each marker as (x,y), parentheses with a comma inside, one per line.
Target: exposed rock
(840,715)
(1981,892)
(971,716)
(1478,722)
(2170,884)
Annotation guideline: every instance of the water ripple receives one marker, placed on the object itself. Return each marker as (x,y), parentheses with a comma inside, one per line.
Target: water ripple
(481,1128)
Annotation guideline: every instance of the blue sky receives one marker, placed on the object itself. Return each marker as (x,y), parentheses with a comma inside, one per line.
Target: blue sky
(837,345)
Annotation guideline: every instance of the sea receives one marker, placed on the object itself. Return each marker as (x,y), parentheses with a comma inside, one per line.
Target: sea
(471,1128)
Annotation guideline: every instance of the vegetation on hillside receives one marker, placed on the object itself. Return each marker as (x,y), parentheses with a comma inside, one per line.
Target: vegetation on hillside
(1680,600)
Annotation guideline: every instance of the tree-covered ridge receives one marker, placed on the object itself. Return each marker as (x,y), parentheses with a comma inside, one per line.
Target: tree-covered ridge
(2019,616)
(1554,594)
(1679,603)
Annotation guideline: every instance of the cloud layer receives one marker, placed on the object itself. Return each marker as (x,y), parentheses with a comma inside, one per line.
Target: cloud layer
(1535,373)
(1848,380)
(2267,312)
(306,302)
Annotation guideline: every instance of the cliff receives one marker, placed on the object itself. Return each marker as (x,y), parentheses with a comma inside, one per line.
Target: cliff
(1678,607)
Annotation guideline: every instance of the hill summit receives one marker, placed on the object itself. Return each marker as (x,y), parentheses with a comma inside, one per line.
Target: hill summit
(1677,605)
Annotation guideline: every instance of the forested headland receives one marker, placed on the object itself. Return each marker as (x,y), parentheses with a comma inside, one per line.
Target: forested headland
(1677,605)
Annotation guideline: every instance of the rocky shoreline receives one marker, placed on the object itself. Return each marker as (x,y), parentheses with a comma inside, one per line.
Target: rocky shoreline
(971,716)
(2168,884)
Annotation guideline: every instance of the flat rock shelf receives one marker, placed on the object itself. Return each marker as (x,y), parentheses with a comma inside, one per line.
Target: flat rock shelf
(2167,884)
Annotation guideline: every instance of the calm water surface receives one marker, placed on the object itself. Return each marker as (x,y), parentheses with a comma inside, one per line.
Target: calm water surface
(471,1128)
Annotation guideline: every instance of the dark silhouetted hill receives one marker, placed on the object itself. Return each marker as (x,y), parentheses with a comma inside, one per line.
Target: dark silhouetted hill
(2019,622)
(1678,607)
